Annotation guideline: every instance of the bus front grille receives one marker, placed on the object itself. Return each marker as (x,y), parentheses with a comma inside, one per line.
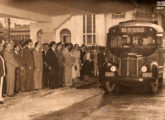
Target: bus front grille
(133,67)
(123,67)
(128,67)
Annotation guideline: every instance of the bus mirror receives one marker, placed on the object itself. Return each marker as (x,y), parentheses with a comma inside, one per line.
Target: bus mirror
(159,35)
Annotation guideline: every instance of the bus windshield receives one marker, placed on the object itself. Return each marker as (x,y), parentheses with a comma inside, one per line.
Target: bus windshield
(132,42)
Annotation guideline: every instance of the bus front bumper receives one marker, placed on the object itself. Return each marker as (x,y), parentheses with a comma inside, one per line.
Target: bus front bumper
(129,80)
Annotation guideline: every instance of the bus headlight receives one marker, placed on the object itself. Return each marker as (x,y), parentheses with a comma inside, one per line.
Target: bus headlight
(113,68)
(144,68)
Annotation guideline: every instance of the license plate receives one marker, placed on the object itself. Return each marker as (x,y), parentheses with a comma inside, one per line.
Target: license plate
(147,74)
(109,74)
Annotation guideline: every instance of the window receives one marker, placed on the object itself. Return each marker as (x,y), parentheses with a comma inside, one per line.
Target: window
(138,41)
(144,42)
(89,29)
(118,15)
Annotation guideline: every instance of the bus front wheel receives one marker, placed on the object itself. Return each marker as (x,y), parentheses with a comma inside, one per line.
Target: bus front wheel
(109,87)
(154,86)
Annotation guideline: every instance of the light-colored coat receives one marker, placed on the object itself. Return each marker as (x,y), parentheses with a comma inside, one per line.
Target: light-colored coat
(2,75)
(76,66)
(38,69)
(69,62)
(11,64)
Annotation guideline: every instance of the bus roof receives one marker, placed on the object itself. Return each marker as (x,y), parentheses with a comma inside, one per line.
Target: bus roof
(158,28)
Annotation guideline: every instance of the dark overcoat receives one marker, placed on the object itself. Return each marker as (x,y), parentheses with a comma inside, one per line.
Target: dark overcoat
(29,68)
(61,61)
(52,63)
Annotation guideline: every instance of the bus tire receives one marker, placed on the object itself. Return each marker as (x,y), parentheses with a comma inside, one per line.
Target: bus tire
(109,87)
(160,82)
(154,86)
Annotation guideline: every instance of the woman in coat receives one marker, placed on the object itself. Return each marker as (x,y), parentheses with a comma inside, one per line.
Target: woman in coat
(38,66)
(69,62)
(76,67)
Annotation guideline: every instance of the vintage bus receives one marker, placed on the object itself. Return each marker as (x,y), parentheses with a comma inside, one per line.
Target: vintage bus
(137,49)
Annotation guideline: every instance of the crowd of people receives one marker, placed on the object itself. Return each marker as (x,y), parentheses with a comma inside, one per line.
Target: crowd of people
(25,67)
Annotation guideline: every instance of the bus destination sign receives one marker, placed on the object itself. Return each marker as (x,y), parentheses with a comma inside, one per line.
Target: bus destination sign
(132,29)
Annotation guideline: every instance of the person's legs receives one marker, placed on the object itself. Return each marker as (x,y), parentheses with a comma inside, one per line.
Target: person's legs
(61,76)
(22,80)
(29,80)
(40,79)
(45,78)
(70,83)
(68,76)
(1,85)
(51,81)
(10,84)
(82,72)
(35,79)
(17,80)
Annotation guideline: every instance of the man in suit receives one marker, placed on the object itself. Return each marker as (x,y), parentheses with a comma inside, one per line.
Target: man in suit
(2,70)
(52,63)
(29,65)
(101,61)
(61,61)
(45,69)
(20,71)
(11,65)
(82,54)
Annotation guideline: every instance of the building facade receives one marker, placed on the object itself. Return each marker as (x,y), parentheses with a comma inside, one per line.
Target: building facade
(17,33)
(20,33)
(90,29)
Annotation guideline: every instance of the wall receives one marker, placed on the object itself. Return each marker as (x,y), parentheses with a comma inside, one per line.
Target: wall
(47,28)
(113,21)
(100,29)
(104,22)
(75,25)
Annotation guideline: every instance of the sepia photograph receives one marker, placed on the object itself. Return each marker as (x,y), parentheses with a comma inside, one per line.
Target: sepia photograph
(82,59)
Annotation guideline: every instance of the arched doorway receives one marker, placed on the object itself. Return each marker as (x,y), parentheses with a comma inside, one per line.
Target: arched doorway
(65,36)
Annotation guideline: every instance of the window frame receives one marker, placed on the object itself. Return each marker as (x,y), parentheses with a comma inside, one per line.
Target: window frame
(91,33)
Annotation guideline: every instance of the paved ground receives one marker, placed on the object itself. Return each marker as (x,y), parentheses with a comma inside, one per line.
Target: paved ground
(30,105)
(133,105)
(87,103)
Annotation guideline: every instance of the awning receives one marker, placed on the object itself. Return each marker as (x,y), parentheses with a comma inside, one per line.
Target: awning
(61,7)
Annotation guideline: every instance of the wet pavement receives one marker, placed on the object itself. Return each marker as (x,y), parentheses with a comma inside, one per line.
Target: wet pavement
(132,105)
(27,106)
